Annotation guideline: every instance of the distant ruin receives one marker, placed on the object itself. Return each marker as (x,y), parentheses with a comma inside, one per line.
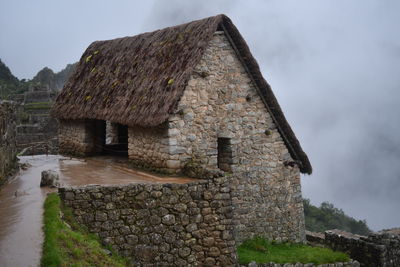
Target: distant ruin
(36,130)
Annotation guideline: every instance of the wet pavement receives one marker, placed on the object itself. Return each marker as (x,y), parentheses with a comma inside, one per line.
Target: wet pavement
(21,202)
(106,170)
(21,199)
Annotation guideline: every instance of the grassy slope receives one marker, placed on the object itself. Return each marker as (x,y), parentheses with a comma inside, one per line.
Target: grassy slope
(262,251)
(69,244)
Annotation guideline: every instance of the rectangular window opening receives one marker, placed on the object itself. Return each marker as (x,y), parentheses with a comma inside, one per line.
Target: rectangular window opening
(224,159)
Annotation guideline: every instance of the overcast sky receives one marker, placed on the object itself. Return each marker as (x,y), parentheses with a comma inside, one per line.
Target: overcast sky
(333,65)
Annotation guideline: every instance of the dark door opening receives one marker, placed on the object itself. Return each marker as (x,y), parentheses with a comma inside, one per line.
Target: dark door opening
(116,139)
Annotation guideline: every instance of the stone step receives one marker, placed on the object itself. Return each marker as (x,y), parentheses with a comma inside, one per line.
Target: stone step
(39,118)
(37,96)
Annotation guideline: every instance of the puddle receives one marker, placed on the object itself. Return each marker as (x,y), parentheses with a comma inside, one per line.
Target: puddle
(104,170)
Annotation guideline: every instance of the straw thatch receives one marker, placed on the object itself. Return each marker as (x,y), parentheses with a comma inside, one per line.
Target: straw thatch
(139,80)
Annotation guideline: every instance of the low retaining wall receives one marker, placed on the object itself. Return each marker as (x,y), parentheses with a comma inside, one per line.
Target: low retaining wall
(162,224)
(381,249)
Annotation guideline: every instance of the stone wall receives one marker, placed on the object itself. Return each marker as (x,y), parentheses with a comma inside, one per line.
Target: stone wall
(150,148)
(39,94)
(81,137)
(8,149)
(161,224)
(72,138)
(375,250)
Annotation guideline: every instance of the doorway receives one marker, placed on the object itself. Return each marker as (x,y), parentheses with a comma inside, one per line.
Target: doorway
(116,136)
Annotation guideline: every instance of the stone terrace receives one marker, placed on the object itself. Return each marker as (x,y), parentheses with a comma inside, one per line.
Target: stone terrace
(163,224)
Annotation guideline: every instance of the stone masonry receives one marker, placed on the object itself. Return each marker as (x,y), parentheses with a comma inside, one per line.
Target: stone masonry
(149,147)
(78,137)
(8,149)
(73,138)
(220,101)
(160,224)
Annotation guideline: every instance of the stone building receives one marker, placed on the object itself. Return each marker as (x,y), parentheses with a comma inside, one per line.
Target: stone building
(191,99)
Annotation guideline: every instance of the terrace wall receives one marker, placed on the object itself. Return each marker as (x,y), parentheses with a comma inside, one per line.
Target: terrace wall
(8,149)
(374,250)
(160,224)
(36,130)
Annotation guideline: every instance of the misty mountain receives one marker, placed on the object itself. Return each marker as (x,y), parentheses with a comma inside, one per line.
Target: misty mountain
(55,81)
(10,85)
(8,82)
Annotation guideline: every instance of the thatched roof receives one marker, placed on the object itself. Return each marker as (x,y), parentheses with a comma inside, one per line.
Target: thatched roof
(139,80)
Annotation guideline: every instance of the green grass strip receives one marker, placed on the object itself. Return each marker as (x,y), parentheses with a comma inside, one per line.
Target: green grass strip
(263,251)
(66,243)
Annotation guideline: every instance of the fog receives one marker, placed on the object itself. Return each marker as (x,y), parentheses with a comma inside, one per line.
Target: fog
(334,67)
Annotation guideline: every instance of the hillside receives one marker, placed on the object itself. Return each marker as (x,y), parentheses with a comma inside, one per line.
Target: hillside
(327,216)
(8,82)
(10,85)
(6,76)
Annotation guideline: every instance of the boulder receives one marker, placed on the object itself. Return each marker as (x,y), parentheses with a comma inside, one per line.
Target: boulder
(50,178)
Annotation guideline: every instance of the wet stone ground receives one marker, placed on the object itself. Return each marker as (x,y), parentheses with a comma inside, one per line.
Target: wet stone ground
(21,199)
